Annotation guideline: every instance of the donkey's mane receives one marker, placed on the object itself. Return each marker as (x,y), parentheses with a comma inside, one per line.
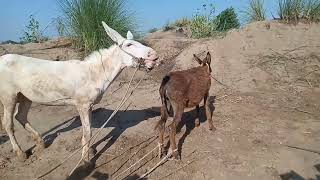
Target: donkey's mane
(98,53)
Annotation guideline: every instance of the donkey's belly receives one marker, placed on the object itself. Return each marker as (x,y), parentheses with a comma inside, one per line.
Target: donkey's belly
(192,103)
(49,98)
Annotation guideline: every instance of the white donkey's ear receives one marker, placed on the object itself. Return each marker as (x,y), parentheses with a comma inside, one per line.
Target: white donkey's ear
(129,35)
(114,35)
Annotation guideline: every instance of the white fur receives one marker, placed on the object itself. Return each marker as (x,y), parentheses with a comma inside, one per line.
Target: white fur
(79,83)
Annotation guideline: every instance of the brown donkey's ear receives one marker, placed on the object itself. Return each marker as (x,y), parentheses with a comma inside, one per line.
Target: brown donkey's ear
(207,61)
(208,58)
(197,59)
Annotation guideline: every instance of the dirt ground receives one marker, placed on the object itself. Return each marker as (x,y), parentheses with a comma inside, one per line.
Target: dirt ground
(267,114)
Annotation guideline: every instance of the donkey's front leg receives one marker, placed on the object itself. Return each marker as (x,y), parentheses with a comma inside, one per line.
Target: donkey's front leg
(85,112)
(197,121)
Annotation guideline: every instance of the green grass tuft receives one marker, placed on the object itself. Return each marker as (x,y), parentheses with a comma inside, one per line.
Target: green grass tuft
(203,26)
(256,11)
(83,21)
(207,24)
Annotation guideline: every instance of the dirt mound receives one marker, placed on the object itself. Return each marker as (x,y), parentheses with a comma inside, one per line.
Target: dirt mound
(258,56)
(56,49)
(168,44)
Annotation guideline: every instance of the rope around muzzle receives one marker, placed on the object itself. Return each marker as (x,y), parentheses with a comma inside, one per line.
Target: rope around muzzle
(94,137)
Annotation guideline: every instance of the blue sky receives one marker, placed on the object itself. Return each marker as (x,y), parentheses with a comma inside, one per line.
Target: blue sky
(14,14)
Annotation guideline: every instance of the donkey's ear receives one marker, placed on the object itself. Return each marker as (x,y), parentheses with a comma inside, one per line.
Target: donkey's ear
(114,35)
(208,58)
(197,59)
(129,35)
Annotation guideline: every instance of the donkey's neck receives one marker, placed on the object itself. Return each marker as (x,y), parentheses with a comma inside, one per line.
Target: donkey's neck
(105,66)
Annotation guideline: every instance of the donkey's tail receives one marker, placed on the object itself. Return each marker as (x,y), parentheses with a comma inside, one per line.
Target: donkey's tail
(164,102)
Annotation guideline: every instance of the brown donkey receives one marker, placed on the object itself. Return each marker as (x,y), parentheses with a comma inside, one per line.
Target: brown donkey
(184,89)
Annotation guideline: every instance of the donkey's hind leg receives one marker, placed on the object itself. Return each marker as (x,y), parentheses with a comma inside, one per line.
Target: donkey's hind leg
(208,111)
(9,104)
(178,109)
(197,121)
(161,127)
(21,116)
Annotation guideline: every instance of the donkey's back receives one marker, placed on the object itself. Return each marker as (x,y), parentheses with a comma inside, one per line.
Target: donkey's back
(39,80)
(188,85)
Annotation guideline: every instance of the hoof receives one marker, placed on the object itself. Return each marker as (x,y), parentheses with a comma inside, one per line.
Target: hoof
(41,145)
(176,158)
(161,155)
(197,123)
(21,156)
(92,152)
(211,127)
(175,155)
(87,164)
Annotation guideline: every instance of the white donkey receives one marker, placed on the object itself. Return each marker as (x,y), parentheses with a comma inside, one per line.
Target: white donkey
(80,83)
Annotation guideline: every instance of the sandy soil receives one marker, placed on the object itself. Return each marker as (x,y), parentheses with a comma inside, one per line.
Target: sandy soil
(267,114)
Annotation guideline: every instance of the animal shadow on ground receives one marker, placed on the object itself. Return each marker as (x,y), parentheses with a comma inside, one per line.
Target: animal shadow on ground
(188,119)
(81,172)
(292,175)
(84,171)
(122,121)
(3,138)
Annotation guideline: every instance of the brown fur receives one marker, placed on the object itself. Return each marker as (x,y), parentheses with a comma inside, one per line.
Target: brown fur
(184,89)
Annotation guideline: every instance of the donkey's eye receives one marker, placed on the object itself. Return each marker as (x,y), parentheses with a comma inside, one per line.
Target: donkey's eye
(129,44)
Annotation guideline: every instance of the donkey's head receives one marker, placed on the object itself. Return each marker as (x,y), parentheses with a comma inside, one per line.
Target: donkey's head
(133,50)
(205,62)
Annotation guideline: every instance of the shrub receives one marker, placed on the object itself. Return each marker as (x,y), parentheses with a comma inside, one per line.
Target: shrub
(202,26)
(83,21)
(32,32)
(207,24)
(227,20)
(292,11)
(255,11)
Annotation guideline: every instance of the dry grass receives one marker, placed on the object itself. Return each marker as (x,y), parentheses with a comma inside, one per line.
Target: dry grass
(293,11)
